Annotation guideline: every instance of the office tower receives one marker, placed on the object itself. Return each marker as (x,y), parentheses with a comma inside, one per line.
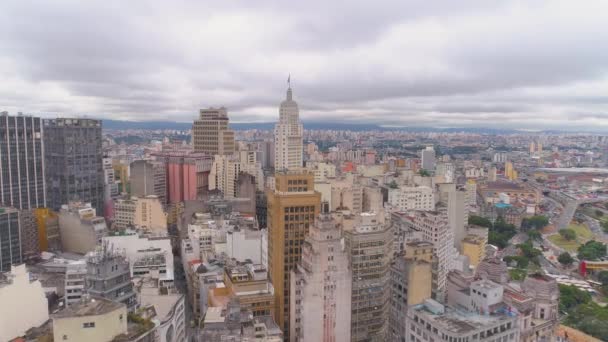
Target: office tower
(109,276)
(288,135)
(321,285)
(510,172)
(369,243)
(292,208)
(73,161)
(428,158)
(22,181)
(211,134)
(30,244)
(411,282)
(110,188)
(149,177)
(532,147)
(458,214)
(10,238)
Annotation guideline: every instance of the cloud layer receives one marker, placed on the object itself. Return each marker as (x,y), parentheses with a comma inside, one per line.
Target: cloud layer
(518,64)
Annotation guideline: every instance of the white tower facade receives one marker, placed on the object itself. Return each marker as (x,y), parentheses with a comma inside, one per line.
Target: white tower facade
(288,136)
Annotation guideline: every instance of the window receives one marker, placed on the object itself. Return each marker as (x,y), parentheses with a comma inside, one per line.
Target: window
(65,337)
(88,325)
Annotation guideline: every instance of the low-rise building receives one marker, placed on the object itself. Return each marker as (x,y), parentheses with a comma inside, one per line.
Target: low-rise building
(91,320)
(80,228)
(23,304)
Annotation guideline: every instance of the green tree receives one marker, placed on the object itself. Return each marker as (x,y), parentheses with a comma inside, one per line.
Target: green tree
(535,222)
(568,234)
(602,277)
(534,234)
(592,250)
(393,185)
(605,226)
(599,213)
(424,173)
(480,221)
(565,259)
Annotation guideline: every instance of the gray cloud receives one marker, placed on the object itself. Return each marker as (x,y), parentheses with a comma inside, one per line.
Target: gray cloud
(468,63)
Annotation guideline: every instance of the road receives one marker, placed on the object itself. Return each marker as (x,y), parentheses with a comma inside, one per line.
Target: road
(567,215)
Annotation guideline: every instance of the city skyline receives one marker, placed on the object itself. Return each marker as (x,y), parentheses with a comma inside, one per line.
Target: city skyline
(477,64)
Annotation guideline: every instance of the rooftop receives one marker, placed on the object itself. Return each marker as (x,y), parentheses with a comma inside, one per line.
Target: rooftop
(89,307)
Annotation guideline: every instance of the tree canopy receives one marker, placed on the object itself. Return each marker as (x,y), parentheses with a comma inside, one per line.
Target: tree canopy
(592,250)
(568,234)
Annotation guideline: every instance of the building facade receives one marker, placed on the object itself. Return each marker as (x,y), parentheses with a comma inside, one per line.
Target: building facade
(73,162)
(211,133)
(10,239)
(320,286)
(369,243)
(292,208)
(149,177)
(22,180)
(412,198)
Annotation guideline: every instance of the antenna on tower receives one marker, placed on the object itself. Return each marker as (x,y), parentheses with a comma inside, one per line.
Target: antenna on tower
(289,81)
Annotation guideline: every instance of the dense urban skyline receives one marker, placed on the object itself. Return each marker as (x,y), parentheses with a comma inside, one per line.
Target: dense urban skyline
(538,65)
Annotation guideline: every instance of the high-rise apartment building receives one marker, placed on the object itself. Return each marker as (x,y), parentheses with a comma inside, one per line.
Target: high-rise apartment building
(292,208)
(369,244)
(211,134)
(22,181)
(320,286)
(224,175)
(428,158)
(149,177)
(288,134)
(412,198)
(73,161)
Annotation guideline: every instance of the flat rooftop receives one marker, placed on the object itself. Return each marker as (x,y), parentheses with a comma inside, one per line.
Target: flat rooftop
(92,307)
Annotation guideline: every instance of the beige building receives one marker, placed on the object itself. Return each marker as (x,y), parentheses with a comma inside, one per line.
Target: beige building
(288,133)
(224,174)
(81,230)
(474,247)
(292,208)
(149,177)
(211,134)
(144,213)
(411,279)
(93,320)
(150,216)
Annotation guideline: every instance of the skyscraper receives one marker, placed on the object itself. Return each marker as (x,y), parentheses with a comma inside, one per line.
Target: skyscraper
(428,158)
(292,208)
(211,134)
(320,304)
(369,243)
(73,161)
(288,135)
(22,182)
(10,238)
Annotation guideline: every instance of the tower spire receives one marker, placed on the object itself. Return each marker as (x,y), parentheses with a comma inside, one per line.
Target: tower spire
(289,95)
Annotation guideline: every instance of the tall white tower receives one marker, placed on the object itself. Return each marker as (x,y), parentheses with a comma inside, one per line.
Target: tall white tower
(288,135)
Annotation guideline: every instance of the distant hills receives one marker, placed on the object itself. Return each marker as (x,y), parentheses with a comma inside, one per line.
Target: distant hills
(182,126)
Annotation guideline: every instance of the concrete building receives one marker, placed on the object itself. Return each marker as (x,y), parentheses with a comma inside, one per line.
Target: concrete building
(412,198)
(411,283)
(165,310)
(149,177)
(288,134)
(187,175)
(436,229)
(80,228)
(11,252)
(369,241)
(224,175)
(22,180)
(148,256)
(47,222)
(211,133)
(245,244)
(91,320)
(75,282)
(322,171)
(124,213)
(428,158)
(458,213)
(111,188)
(235,324)
(73,162)
(150,216)
(292,208)
(321,286)
(109,276)
(24,304)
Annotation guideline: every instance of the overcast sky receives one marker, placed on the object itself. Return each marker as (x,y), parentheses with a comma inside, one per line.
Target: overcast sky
(519,64)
